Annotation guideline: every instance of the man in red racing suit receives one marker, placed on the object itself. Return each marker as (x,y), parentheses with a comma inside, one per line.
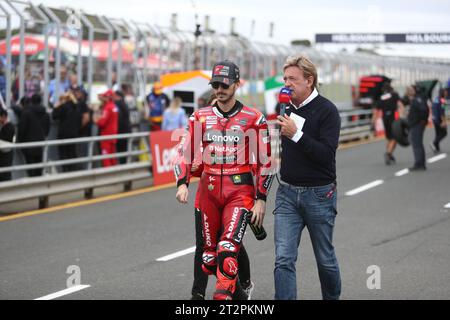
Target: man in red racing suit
(231,141)
(108,125)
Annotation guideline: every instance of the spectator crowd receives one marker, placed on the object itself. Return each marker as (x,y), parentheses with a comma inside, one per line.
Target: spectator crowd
(70,113)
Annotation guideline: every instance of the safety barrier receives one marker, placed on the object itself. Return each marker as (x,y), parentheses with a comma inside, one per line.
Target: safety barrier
(49,165)
(53,182)
(355,124)
(45,186)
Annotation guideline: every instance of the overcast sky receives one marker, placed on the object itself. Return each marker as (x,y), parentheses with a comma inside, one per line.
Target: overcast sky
(293,19)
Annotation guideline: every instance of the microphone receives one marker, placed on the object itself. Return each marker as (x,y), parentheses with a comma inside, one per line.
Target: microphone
(284,98)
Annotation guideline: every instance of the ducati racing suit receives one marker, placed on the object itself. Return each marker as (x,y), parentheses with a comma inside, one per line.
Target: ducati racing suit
(234,150)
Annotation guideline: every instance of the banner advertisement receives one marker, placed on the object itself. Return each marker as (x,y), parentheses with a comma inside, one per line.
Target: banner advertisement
(163,150)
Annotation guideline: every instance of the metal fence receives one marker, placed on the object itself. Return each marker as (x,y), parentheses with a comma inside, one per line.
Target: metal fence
(51,165)
(89,175)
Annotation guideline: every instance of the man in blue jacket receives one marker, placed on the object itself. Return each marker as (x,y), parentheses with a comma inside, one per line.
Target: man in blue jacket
(307,193)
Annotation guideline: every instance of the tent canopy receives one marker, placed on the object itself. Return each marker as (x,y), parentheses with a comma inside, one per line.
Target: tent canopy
(32,45)
(35,45)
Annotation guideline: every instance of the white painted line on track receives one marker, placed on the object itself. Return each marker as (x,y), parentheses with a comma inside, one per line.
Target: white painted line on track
(402,172)
(447,206)
(364,187)
(63,292)
(177,254)
(437,158)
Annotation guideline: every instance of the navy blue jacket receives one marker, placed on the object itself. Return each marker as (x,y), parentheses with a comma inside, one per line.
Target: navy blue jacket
(312,160)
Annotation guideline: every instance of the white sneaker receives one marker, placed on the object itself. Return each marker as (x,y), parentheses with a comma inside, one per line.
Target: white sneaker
(249,290)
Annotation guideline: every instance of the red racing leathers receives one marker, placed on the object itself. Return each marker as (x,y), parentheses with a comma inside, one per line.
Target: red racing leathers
(108,125)
(229,147)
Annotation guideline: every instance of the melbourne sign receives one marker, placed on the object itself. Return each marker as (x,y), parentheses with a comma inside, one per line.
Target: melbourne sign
(416,38)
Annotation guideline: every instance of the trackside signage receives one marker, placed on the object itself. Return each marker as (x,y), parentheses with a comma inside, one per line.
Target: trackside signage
(417,38)
(163,152)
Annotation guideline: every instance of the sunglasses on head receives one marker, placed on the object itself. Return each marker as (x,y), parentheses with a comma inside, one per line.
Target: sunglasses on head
(216,85)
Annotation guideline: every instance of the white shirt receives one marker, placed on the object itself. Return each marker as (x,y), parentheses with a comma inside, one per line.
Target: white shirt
(311,97)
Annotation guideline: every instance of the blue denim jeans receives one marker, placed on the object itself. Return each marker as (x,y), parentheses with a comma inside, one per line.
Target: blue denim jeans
(315,208)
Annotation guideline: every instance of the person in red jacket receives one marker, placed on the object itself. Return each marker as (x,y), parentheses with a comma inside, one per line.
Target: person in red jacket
(108,125)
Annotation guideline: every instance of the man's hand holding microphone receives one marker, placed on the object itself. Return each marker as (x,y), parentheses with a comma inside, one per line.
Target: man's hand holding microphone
(286,123)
